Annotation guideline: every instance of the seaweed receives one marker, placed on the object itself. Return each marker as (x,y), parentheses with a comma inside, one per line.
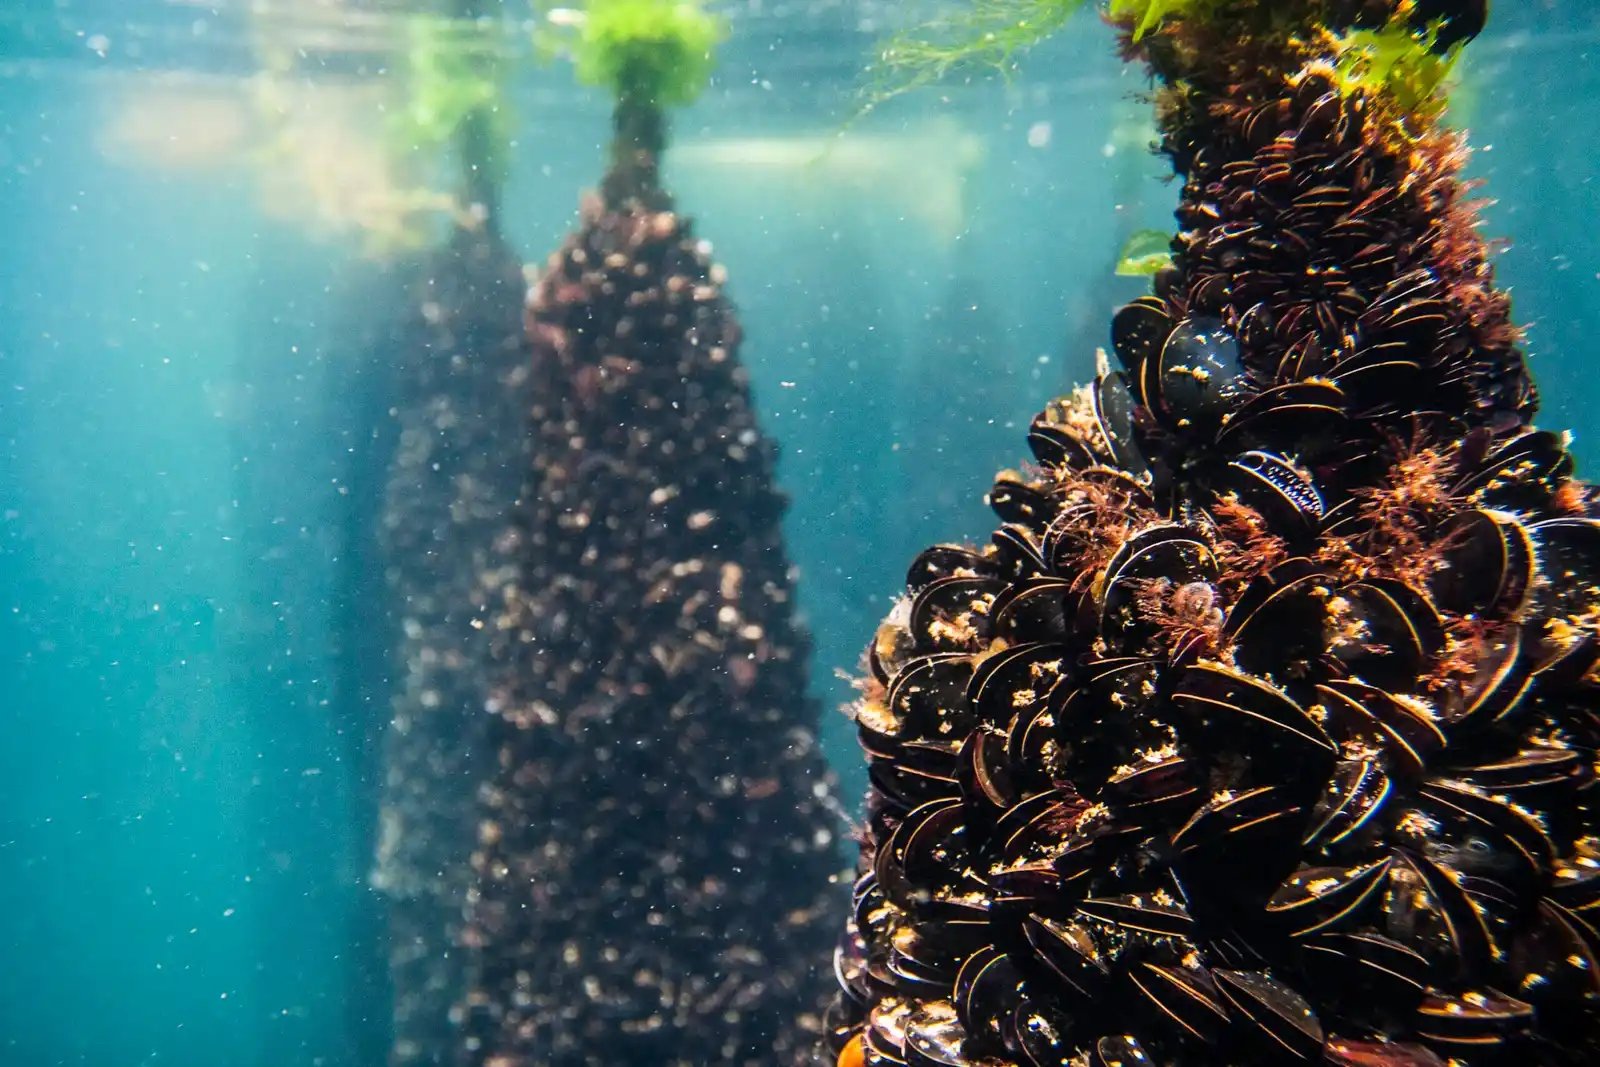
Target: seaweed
(1146,15)
(985,35)
(656,51)
(1145,253)
(1399,64)
(452,78)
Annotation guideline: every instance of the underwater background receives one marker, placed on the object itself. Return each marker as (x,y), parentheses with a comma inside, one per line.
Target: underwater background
(195,440)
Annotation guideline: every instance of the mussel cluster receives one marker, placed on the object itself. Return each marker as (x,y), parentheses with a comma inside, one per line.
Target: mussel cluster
(657,848)
(1263,731)
(1311,282)
(461,395)
(1215,784)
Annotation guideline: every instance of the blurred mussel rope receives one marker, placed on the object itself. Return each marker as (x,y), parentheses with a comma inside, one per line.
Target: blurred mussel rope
(455,445)
(659,840)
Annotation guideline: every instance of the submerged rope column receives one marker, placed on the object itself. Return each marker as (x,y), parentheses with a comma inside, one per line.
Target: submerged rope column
(657,845)
(463,392)
(1262,731)
(453,484)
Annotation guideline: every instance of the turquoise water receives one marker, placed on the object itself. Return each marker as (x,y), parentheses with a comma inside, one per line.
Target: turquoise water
(194,689)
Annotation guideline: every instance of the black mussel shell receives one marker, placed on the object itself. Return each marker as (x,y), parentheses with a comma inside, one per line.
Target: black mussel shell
(1026,830)
(1238,846)
(1120,484)
(1033,745)
(1016,501)
(1150,913)
(1278,623)
(1277,1017)
(934,1036)
(947,561)
(868,909)
(928,697)
(1040,607)
(1576,885)
(918,968)
(1374,720)
(1019,551)
(1395,632)
(1374,376)
(1344,1052)
(1521,473)
(1183,999)
(1427,909)
(1559,957)
(918,848)
(1113,411)
(1469,1023)
(1039,1035)
(1456,21)
(1568,661)
(1121,681)
(1054,445)
(1227,708)
(1138,331)
(952,614)
(891,646)
(1304,359)
(1284,494)
(1537,773)
(1569,565)
(1200,374)
(885,1036)
(906,787)
(1499,688)
(1371,968)
(1154,792)
(1480,835)
(1120,1051)
(1350,806)
(850,967)
(1016,679)
(1297,412)
(1315,899)
(1066,953)
(987,987)
(1170,554)
(1320,106)
(984,774)
(1487,567)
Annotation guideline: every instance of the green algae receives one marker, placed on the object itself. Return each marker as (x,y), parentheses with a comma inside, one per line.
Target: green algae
(1145,253)
(986,35)
(1399,64)
(450,71)
(655,51)
(1147,15)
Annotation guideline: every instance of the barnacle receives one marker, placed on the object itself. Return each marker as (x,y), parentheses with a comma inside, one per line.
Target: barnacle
(1268,736)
